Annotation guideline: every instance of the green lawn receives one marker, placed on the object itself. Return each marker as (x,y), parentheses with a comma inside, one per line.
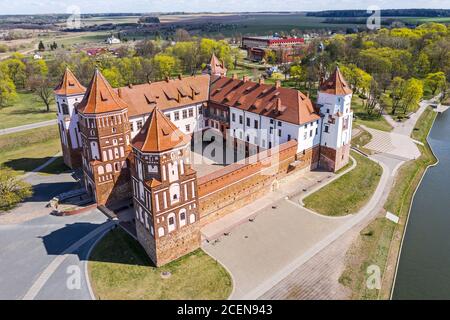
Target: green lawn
(26,109)
(120,269)
(373,121)
(350,192)
(27,150)
(379,243)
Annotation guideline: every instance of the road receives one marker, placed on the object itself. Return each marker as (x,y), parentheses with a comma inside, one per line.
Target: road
(28,126)
(34,263)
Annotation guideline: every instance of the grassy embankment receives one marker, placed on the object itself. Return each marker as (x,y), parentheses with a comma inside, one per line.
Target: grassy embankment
(26,150)
(26,109)
(379,243)
(119,268)
(350,192)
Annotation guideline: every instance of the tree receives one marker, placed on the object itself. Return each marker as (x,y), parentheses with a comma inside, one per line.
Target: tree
(297,74)
(146,48)
(113,76)
(270,56)
(7,88)
(42,88)
(164,65)
(12,190)
(435,81)
(41,46)
(182,35)
(16,71)
(413,92)
(397,92)
(373,98)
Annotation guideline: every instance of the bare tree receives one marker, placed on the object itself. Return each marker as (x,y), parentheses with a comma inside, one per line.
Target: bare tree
(41,86)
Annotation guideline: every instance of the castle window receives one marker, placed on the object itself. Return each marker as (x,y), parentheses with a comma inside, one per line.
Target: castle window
(59,108)
(176,115)
(233,117)
(114,142)
(185,114)
(289,137)
(171,222)
(248,122)
(256,124)
(310,133)
(328,110)
(65,108)
(317,130)
(326,129)
(100,170)
(160,232)
(305,135)
(240,119)
(174,191)
(182,217)
(192,218)
(108,167)
(117,166)
(113,130)
(139,125)
(191,112)
(279,132)
(188,128)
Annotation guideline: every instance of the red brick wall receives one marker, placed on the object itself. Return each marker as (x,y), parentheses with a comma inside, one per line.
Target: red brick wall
(333,160)
(234,186)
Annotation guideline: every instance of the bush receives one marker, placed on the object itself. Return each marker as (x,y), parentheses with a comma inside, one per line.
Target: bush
(3,48)
(12,189)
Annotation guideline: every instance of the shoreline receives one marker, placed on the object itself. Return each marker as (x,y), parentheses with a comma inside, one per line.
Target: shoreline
(398,250)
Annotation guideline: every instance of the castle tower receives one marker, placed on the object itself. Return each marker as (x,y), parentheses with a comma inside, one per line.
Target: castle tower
(215,67)
(105,133)
(164,190)
(334,99)
(68,94)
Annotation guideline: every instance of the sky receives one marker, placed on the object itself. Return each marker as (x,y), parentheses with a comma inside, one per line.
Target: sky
(137,6)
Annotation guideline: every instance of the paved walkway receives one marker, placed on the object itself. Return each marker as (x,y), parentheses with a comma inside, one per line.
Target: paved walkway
(28,126)
(394,144)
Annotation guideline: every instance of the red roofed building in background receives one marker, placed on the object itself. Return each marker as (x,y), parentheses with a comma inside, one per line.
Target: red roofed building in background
(134,144)
(286,49)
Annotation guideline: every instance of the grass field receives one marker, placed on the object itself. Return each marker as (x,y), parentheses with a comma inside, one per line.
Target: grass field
(26,109)
(119,268)
(350,192)
(379,243)
(26,150)
(373,121)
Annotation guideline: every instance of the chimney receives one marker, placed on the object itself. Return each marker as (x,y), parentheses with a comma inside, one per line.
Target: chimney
(278,84)
(167,79)
(119,92)
(245,78)
(130,85)
(234,76)
(278,104)
(261,80)
(179,76)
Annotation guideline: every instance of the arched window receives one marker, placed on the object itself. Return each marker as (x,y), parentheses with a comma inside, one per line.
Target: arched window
(116,166)
(108,167)
(160,231)
(100,170)
(174,191)
(182,217)
(192,218)
(171,222)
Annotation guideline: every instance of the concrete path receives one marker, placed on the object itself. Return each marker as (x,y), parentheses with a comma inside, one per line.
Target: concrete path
(37,257)
(394,144)
(262,253)
(28,126)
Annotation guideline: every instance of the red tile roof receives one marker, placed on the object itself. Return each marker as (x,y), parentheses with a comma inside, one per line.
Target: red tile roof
(280,103)
(100,97)
(69,85)
(172,93)
(159,134)
(335,84)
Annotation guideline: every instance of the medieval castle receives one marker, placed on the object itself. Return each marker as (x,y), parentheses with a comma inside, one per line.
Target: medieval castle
(135,144)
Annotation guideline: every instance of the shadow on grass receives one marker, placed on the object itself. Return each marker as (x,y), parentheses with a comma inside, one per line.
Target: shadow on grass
(29,164)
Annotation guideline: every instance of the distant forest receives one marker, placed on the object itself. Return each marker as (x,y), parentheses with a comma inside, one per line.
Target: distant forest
(386,13)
